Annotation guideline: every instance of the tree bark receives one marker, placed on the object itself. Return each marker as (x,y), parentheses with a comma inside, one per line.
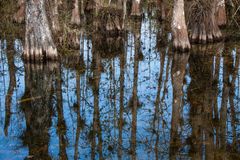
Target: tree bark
(75,13)
(179,27)
(162,7)
(135,11)
(39,44)
(221,16)
(54,15)
(203,24)
(19,16)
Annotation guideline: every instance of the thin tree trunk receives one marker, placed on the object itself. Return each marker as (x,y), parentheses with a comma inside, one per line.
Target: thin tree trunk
(12,85)
(75,13)
(221,16)
(135,11)
(20,15)
(54,15)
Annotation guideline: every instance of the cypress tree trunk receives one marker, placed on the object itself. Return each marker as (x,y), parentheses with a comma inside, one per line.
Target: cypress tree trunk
(75,13)
(19,16)
(179,27)
(221,13)
(39,44)
(135,11)
(203,24)
(54,15)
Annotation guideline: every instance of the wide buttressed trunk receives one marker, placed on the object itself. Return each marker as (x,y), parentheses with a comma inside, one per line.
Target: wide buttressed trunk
(179,27)
(202,22)
(39,44)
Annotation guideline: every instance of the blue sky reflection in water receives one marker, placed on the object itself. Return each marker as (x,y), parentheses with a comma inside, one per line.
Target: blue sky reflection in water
(143,102)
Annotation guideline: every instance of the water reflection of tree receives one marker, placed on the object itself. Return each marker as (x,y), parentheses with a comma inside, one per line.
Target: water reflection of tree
(178,73)
(61,124)
(121,109)
(12,85)
(96,130)
(208,115)
(36,105)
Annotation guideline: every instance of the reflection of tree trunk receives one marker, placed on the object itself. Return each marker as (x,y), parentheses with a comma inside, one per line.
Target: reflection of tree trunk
(135,98)
(96,113)
(225,98)
(156,120)
(79,120)
(231,100)
(12,85)
(122,68)
(61,125)
(38,39)
(37,107)
(215,99)
(178,72)
(201,96)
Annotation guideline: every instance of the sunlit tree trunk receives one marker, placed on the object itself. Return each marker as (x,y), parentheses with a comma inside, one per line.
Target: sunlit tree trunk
(203,23)
(19,16)
(221,16)
(136,11)
(39,44)
(179,28)
(75,13)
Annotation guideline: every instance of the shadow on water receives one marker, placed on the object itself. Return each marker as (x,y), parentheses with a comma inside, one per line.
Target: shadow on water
(124,97)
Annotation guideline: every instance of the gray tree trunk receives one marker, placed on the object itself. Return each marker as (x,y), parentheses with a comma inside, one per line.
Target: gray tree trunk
(39,44)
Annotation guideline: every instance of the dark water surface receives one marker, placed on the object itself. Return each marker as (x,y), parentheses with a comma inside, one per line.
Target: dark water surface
(122,98)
